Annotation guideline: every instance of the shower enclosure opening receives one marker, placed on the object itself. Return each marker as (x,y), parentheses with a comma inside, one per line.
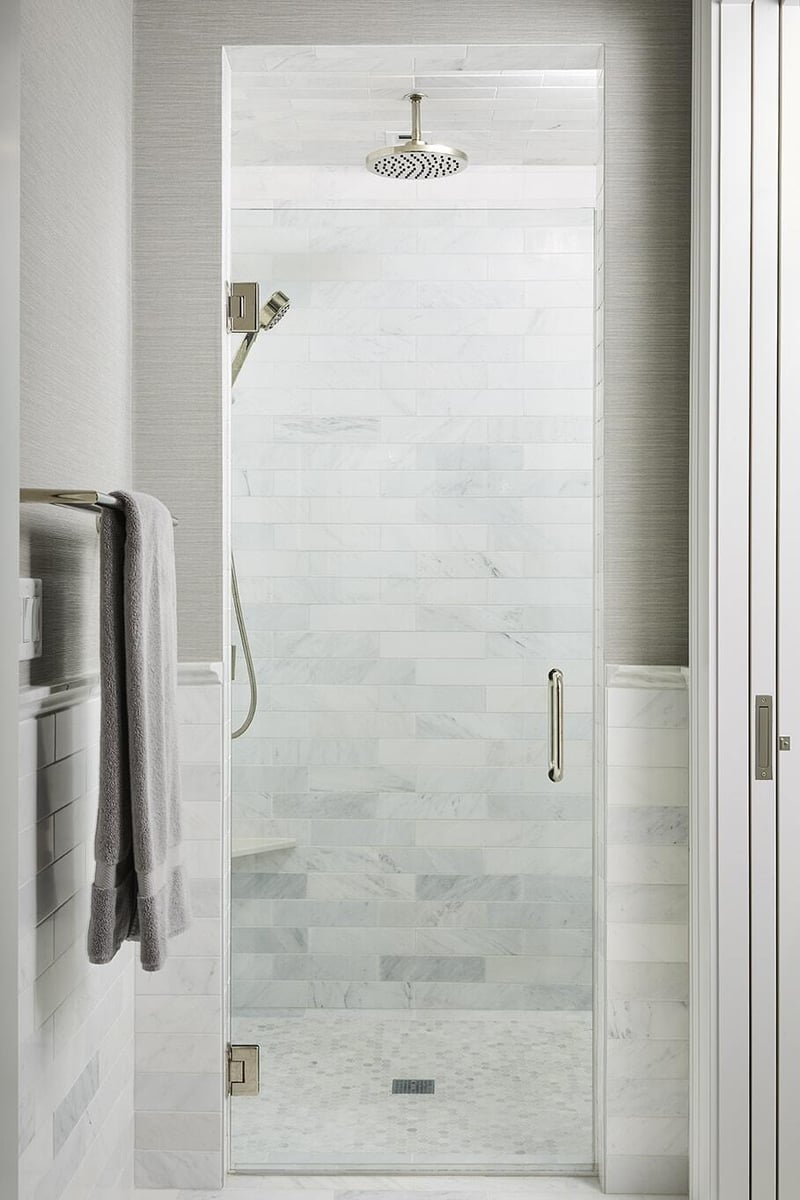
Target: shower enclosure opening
(414,498)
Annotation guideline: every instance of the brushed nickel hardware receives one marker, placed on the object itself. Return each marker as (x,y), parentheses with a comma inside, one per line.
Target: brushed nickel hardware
(243,308)
(90,501)
(555,693)
(763,767)
(415,158)
(254,320)
(244,1070)
(267,318)
(784,743)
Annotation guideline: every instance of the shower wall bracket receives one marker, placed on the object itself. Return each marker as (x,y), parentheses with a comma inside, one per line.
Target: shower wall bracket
(243,308)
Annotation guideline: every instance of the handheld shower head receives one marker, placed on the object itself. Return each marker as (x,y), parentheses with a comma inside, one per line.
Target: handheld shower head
(275,310)
(271,313)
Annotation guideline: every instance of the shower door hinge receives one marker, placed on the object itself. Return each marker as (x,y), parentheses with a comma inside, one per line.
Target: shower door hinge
(244,1070)
(243,308)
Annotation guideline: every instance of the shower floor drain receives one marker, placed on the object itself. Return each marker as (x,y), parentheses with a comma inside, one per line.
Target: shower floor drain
(413,1087)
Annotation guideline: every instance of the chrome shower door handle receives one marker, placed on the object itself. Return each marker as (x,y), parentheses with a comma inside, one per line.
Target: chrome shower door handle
(555,692)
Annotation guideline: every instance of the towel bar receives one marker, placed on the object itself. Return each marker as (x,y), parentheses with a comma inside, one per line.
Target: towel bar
(93,501)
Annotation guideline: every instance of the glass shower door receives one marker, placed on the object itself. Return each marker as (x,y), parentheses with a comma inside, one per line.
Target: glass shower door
(413,525)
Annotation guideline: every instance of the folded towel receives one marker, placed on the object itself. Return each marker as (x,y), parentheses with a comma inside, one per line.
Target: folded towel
(139,891)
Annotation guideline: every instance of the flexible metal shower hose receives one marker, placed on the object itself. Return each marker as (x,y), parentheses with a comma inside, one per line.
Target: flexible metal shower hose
(248,656)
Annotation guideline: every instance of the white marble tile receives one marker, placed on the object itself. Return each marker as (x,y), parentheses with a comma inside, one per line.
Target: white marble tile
(633,942)
(647,864)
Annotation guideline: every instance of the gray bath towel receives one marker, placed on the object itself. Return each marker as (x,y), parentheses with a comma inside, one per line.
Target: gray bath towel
(139,890)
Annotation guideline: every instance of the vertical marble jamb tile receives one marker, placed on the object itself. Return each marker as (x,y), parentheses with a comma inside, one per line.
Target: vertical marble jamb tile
(179,1074)
(646,940)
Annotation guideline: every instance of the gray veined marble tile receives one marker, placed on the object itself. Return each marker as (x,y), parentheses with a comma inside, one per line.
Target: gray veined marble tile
(639,785)
(541,915)
(541,970)
(345,805)
(177,1131)
(634,1097)
(367,941)
(334,994)
(166,1168)
(647,864)
(646,708)
(432,805)
(75,1103)
(533,807)
(659,903)
(265,886)
(469,942)
(424,914)
(432,969)
(326,913)
(268,940)
(648,826)
(558,887)
(439,860)
(356,887)
(660,1059)
(385,672)
(347,968)
(648,1019)
(659,1174)
(465,887)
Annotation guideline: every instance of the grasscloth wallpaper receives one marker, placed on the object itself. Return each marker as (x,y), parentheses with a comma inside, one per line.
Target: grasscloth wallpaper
(180,439)
(75,304)
(76,1021)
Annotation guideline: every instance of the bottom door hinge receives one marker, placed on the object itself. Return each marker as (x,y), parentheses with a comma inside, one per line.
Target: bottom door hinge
(244,1070)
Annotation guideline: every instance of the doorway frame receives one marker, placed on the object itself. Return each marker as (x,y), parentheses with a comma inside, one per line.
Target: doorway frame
(713,728)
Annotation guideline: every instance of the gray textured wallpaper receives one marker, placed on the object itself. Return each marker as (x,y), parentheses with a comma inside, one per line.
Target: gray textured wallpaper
(75,303)
(177,255)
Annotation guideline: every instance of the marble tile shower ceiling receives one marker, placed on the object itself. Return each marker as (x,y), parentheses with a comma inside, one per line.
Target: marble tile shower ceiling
(329,105)
(412,458)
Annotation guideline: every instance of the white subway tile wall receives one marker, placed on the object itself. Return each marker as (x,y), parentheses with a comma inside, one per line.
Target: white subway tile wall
(180,1010)
(76,1020)
(647,863)
(413,524)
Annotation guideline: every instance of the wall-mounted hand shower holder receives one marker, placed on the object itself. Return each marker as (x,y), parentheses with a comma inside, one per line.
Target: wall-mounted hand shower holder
(247,316)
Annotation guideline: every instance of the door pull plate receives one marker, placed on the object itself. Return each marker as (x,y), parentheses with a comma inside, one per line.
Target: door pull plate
(763,767)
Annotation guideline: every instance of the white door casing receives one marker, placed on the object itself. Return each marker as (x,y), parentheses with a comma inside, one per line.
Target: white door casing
(788,684)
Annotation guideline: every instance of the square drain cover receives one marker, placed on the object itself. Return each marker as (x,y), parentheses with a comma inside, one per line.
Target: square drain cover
(413,1087)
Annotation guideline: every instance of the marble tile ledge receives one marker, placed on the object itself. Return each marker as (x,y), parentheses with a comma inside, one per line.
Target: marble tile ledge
(625,676)
(369,1187)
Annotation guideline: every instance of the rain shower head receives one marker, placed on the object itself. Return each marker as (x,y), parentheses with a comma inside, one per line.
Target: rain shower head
(416,158)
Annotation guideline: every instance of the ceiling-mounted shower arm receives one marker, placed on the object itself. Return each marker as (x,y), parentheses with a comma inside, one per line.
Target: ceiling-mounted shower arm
(416,99)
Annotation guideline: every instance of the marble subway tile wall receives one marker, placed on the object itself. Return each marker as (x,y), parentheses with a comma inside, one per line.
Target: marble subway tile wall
(180,1010)
(76,1019)
(413,508)
(647,861)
